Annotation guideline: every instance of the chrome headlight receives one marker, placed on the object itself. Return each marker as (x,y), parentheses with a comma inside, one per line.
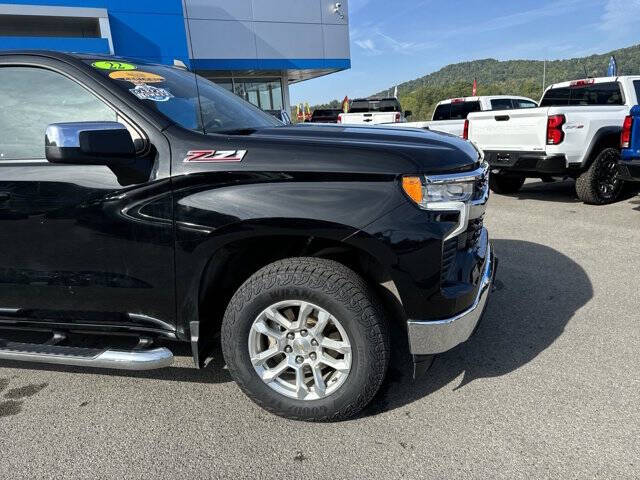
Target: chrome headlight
(450,192)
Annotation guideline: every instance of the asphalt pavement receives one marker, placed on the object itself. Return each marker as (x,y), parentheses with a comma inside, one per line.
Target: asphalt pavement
(548,388)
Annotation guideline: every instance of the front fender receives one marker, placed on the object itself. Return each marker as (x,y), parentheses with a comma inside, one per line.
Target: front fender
(218,209)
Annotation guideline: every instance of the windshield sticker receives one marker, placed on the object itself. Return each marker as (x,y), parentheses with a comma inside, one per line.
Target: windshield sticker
(137,78)
(215,155)
(105,65)
(149,92)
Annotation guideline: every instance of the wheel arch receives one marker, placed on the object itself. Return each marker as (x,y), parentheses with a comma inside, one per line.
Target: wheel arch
(606,137)
(230,265)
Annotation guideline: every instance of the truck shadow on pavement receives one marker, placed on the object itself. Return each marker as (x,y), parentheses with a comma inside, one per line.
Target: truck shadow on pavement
(559,191)
(538,292)
(563,191)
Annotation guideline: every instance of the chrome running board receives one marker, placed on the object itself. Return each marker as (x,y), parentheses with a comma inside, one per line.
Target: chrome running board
(86,357)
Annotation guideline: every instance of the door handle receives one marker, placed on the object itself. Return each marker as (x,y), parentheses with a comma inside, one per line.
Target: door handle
(502,118)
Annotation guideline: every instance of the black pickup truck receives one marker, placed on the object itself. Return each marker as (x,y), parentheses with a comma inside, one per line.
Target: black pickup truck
(142,205)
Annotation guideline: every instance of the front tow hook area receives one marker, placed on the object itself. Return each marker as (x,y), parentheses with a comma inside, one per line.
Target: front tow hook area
(423,362)
(430,337)
(421,365)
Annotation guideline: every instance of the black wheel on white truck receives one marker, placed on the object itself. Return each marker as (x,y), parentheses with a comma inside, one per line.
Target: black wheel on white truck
(600,184)
(575,133)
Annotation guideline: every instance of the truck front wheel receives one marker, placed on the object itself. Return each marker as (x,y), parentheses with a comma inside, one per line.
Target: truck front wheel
(305,338)
(600,183)
(505,183)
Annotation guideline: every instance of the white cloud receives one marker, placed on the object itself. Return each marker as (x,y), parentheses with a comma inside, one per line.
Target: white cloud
(620,16)
(355,5)
(553,9)
(404,47)
(368,45)
(374,42)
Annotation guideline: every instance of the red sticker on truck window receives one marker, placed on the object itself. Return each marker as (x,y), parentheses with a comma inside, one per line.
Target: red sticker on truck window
(215,155)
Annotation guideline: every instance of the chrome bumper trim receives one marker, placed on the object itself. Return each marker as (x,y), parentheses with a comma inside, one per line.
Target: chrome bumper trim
(431,337)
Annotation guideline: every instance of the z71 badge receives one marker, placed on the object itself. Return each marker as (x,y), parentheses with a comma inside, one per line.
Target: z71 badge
(215,155)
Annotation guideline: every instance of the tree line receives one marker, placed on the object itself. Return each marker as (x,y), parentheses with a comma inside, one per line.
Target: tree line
(494,77)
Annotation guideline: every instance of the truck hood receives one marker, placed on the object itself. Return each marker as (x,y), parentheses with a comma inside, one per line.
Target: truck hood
(377,149)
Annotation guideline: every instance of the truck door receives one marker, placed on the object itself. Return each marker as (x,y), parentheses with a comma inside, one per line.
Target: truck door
(79,244)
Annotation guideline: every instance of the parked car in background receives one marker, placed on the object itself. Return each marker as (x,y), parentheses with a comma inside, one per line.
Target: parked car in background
(374,111)
(148,205)
(574,133)
(449,115)
(629,167)
(281,115)
(325,115)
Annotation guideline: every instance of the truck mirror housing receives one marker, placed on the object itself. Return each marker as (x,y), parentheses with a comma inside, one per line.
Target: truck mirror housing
(88,143)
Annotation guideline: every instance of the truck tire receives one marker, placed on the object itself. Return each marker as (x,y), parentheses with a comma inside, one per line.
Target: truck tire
(504,183)
(599,185)
(306,339)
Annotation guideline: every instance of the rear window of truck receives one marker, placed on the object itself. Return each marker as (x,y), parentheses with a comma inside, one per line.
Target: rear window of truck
(455,111)
(511,104)
(594,94)
(364,106)
(636,85)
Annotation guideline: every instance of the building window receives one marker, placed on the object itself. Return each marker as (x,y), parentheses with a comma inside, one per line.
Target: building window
(263,93)
(226,83)
(46,26)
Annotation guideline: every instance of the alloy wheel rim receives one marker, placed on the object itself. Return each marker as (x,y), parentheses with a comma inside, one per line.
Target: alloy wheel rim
(608,180)
(300,350)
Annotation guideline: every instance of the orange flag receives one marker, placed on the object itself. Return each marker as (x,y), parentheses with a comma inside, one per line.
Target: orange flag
(345,105)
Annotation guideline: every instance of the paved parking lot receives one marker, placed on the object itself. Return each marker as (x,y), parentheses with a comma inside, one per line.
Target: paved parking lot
(548,388)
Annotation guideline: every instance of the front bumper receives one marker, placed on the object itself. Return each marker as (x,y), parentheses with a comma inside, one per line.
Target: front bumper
(431,337)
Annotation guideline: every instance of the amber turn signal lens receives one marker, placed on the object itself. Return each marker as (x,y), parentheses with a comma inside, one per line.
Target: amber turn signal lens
(412,186)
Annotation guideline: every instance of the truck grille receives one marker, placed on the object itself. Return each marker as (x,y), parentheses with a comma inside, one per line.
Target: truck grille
(449,250)
(464,241)
(473,231)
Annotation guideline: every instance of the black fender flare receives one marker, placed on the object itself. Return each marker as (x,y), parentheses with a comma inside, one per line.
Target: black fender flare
(601,137)
(218,256)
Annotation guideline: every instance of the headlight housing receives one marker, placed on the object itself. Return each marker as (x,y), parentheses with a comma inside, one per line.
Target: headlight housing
(450,192)
(429,190)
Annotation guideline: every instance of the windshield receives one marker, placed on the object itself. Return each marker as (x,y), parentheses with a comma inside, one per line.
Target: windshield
(174,93)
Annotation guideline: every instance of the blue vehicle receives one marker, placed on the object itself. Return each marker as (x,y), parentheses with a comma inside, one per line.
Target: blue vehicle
(629,166)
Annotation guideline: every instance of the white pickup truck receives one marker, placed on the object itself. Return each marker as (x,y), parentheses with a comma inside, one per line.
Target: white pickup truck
(574,133)
(450,115)
(374,111)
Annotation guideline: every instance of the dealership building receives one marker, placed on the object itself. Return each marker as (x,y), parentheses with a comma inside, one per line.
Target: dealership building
(255,48)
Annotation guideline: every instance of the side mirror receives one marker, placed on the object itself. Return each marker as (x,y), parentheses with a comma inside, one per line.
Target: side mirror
(407,113)
(88,143)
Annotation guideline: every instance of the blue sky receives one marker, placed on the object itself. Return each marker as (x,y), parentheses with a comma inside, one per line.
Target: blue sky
(397,40)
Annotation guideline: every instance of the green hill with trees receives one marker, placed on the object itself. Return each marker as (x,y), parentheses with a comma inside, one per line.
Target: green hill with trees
(513,77)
